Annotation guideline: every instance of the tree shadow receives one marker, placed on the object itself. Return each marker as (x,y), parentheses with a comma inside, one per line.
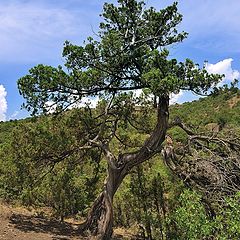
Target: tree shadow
(59,230)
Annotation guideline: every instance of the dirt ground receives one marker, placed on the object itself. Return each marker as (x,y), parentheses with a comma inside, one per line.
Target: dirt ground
(22,224)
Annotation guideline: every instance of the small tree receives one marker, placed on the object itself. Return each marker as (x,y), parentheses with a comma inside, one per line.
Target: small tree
(128,54)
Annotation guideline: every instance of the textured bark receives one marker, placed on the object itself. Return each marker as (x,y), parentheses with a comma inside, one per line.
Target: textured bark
(100,218)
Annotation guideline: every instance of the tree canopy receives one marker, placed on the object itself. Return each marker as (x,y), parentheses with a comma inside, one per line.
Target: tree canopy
(129,53)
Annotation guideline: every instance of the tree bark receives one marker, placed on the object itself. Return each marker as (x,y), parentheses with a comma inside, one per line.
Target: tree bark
(100,218)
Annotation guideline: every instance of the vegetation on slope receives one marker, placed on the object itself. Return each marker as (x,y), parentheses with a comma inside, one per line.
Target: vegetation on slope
(158,204)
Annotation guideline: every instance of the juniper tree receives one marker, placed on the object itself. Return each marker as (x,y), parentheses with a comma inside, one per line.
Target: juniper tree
(129,53)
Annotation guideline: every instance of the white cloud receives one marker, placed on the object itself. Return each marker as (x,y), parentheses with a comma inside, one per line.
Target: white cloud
(3,103)
(174,98)
(221,67)
(224,67)
(91,102)
(51,106)
(137,93)
(14,115)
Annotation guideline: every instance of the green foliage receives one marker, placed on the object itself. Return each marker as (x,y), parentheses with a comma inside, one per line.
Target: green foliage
(191,221)
(55,161)
(151,190)
(130,53)
(190,218)
(178,135)
(34,173)
(227,221)
(222,108)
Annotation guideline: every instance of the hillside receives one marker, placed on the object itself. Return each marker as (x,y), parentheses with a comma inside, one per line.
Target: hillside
(37,170)
(222,108)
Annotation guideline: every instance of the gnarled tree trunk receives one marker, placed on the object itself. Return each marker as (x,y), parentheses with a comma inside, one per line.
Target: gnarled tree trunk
(100,217)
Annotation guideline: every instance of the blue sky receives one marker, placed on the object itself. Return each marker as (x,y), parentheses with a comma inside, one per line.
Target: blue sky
(33,31)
